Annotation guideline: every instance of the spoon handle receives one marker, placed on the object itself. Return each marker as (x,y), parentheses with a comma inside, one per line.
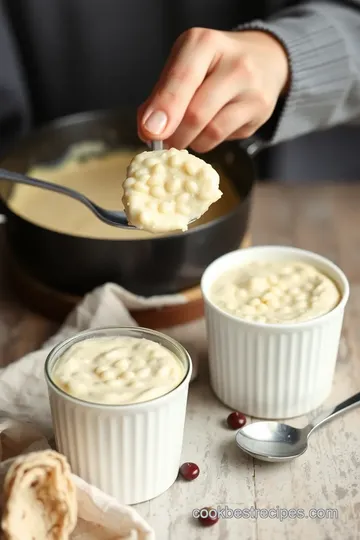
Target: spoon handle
(329,414)
(18,178)
(157,145)
(42,184)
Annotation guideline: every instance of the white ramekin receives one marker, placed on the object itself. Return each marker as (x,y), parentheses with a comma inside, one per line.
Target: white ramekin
(272,370)
(131,452)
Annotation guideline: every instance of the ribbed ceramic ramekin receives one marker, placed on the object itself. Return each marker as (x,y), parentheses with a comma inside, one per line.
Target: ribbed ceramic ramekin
(272,370)
(131,452)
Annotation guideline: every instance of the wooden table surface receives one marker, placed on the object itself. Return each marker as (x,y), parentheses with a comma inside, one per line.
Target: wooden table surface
(324,219)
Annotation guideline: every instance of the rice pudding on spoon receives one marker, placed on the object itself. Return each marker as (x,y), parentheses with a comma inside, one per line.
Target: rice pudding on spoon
(167,189)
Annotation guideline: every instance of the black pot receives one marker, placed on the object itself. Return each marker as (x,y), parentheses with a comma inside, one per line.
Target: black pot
(76,265)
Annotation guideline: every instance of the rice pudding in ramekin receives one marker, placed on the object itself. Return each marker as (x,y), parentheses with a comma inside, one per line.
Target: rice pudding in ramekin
(274,316)
(118,402)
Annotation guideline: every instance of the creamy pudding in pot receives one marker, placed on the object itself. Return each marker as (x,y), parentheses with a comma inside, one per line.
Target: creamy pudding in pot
(280,291)
(166,189)
(117,370)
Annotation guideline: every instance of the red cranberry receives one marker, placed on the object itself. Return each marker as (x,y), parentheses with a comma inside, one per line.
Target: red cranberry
(208,517)
(189,471)
(236,420)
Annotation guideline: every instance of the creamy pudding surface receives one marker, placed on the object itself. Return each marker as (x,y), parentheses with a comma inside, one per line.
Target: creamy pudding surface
(117,370)
(166,189)
(280,291)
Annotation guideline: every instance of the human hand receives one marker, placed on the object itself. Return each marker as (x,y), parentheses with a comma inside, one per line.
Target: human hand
(215,86)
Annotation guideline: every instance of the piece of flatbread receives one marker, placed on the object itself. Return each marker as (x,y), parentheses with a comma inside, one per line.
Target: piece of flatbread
(39,498)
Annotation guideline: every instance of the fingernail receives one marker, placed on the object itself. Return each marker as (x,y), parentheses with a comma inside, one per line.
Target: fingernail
(156,123)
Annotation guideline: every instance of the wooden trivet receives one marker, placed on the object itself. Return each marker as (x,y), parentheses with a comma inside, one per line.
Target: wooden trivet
(57,305)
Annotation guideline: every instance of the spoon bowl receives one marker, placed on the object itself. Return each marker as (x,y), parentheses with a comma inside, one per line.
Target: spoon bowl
(278,442)
(272,441)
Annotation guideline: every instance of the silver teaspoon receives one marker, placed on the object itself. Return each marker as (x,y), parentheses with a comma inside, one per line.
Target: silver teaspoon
(276,442)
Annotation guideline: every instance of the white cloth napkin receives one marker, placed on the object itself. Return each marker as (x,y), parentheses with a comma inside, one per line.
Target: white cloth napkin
(25,420)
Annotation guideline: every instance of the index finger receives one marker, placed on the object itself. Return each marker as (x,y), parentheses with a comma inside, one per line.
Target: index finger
(190,60)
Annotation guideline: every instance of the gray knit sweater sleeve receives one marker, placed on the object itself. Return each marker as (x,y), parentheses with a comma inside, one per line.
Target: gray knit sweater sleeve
(322,39)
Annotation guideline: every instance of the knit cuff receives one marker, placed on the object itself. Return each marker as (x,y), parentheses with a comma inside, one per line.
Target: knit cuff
(319,72)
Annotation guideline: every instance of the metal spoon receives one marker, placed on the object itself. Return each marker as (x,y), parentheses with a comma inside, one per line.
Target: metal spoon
(111,217)
(276,442)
